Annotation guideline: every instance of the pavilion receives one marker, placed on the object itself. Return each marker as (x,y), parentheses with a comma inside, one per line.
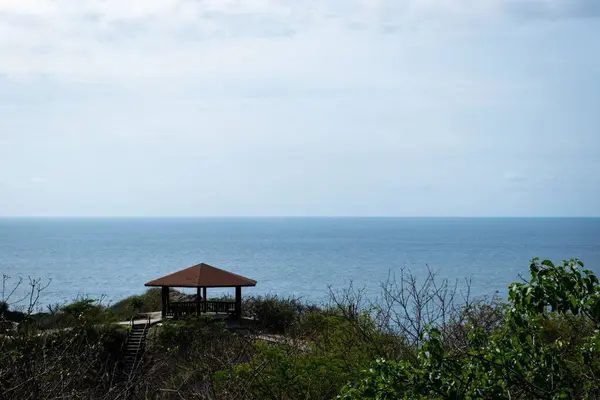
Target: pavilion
(201,277)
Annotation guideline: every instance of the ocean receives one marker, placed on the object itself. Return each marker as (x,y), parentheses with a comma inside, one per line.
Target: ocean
(303,257)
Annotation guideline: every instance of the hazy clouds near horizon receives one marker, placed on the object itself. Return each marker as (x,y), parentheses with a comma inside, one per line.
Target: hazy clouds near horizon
(279,107)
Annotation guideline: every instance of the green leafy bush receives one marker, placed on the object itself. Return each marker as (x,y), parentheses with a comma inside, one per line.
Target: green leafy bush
(547,347)
(327,350)
(83,307)
(137,303)
(275,314)
(286,373)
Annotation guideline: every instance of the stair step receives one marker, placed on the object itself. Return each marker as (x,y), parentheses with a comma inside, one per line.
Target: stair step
(132,353)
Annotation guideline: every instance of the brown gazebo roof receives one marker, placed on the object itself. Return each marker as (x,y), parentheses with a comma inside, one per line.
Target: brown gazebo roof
(202,275)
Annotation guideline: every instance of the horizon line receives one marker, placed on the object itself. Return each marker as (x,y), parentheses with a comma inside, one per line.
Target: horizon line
(284,216)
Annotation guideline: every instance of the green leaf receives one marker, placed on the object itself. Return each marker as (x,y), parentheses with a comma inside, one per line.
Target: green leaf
(548,263)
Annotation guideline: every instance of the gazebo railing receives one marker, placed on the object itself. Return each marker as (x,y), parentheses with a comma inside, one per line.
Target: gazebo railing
(177,308)
(220,306)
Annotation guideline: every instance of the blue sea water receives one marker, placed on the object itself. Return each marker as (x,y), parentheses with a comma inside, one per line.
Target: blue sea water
(287,256)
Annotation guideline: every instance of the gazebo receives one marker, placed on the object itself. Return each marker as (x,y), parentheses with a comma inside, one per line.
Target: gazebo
(201,277)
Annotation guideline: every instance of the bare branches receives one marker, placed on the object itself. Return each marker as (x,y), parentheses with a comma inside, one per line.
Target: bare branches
(5,279)
(30,297)
(409,305)
(36,287)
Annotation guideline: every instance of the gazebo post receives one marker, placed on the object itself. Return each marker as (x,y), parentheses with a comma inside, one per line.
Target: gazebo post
(238,302)
(204,298)
(164,297)
(198,300)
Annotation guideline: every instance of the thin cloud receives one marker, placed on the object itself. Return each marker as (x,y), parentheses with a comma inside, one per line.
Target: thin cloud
(554,9)
(174,38)
(38,180)
(512,177)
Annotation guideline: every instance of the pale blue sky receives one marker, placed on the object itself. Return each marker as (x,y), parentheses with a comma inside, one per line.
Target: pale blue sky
(292,107)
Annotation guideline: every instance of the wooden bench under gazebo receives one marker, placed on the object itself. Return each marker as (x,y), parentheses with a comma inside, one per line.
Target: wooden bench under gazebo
(201,277)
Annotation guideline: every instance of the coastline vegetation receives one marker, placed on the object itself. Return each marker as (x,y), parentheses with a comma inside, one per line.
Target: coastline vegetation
(422,339)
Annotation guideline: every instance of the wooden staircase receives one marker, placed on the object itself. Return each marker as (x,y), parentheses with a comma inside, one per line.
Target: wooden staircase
(134,348)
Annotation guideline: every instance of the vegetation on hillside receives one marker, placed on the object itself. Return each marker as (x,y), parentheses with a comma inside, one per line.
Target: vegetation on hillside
(423,339)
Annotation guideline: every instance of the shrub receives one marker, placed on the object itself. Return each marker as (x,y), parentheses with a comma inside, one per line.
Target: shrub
(187,353)
(3,307)
(133,305)
(329,350)
(283,372)
(275,314)
(81,311)
(83,307)
(137,303)
(183,335)
(547,347)
(76,363)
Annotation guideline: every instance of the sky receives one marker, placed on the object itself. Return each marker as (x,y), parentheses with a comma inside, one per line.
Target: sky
(300,108)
